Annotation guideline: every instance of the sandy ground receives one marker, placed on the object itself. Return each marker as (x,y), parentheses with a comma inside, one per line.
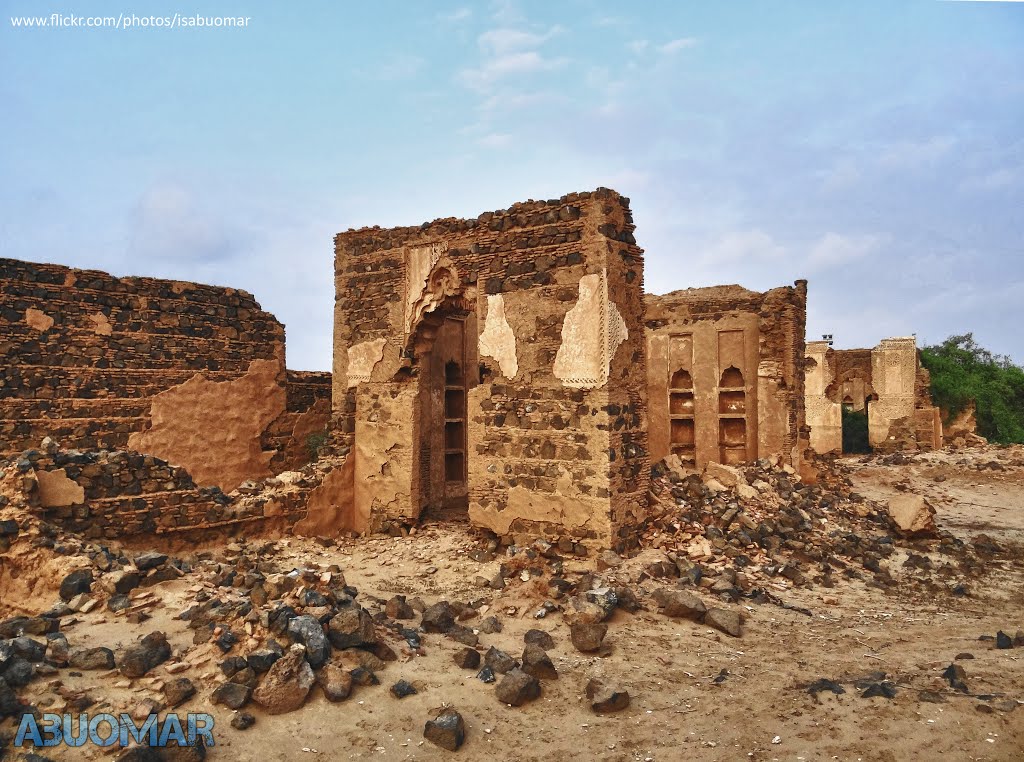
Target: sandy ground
(696,693)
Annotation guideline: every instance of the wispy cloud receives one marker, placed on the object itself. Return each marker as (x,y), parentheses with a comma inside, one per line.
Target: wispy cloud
(835,249)
(500,67)
(459,14)
(997,179)
(641,47)
(745,246)
(495,140)
(509,102)
(840,176)
(508,52)
(169,224)
(500,42)
(674,46)
(506,12)
(911,154)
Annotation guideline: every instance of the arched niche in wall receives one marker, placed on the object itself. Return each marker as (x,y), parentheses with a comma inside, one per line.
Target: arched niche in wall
(732,416)
(681,416)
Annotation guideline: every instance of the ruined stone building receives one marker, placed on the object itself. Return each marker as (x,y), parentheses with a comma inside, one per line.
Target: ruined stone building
(724,374)
(506,370)
(495,367)
(188,373)
(888,382)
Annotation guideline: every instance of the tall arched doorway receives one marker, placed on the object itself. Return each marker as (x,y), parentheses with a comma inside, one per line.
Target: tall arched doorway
(443,364)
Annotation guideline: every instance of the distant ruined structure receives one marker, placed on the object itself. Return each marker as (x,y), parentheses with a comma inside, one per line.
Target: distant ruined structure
(888,382)
(725,374)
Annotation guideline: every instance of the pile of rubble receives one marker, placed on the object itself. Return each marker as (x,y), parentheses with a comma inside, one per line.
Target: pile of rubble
(760,521)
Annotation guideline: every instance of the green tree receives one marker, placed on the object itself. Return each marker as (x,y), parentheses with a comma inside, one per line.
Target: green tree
(963,372)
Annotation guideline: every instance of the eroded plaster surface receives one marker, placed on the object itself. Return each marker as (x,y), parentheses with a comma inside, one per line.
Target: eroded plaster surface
(824,415)
(383,453)
(362,358)
(724,381)
(213,428)
(330,506)
(617,330)
(893,370)
(498,340)
(888,380)
(57,490)
(499,403)
(569,510)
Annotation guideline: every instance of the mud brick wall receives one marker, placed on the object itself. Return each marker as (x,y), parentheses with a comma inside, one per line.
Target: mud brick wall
(547,296)
(705,332)
(123,495)
(187,372)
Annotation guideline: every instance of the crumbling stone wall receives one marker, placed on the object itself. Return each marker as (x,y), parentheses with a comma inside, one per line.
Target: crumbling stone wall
(122,494)
(725,374)
(889,381)
(297,435)
(190,373)
(542,406)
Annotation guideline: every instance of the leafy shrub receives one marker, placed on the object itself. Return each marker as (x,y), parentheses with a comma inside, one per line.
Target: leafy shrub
(314,443)
(962,371)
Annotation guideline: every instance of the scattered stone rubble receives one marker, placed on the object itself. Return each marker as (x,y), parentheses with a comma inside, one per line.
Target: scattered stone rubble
(268,636)
(733,529)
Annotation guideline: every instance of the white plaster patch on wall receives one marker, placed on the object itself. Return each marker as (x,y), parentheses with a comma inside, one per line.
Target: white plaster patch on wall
(591,332)
(580,361)
(498,340)
(362,358)
(38,319)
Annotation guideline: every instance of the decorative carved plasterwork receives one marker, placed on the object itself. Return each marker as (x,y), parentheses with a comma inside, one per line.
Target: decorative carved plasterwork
(591,332)
(362,358)
(497,339)
(428,280)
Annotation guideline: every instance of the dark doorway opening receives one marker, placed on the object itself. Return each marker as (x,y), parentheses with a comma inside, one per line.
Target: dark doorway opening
(855,431)
(443,420)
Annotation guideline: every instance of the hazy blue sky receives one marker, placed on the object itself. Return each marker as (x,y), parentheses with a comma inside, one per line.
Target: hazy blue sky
(876,149)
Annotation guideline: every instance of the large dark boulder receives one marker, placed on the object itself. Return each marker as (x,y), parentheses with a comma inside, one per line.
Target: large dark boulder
(308,631)
(77,582)
(138,659)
